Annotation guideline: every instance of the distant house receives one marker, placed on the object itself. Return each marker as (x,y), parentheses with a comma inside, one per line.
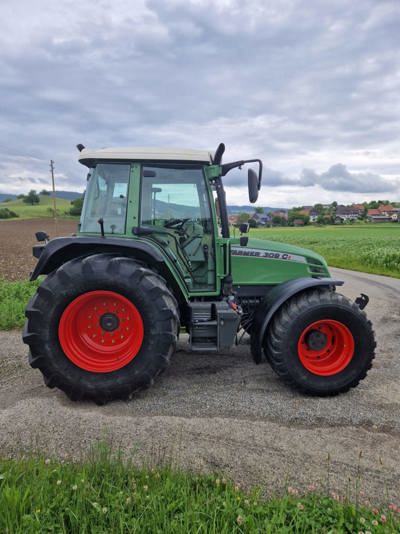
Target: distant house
(313,216)
(298,222)
(279,213)
(262,219)
(232,219)
(389,211)
(379,215)
(346,213)
(305,211)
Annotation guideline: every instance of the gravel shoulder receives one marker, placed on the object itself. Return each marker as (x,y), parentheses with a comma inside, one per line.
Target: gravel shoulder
(222,412)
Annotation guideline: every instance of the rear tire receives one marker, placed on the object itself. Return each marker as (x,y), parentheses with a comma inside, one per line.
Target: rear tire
(320,343)
(58,323)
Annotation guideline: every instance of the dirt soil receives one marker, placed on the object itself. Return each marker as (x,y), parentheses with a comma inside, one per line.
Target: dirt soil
(223,412)
(17,239)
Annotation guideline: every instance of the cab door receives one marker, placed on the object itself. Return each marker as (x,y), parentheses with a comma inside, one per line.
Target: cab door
(175,211)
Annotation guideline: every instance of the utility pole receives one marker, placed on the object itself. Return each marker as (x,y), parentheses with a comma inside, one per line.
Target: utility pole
(54,192)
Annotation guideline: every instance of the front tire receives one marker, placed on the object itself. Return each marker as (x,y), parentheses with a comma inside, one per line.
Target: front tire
(101,328)
(320,343)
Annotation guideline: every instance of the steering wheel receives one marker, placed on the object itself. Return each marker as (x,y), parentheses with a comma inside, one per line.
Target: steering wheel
(176,224)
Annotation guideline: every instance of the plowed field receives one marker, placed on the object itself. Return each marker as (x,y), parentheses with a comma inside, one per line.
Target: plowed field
(17,239)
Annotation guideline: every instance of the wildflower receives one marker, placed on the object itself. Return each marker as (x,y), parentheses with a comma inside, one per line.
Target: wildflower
(47,461)
(375,511)
(292,491)
(74,487)
(217,482)
(128,500)
(238,498)
(237,487)
(37,511)
(383,518)
(362,520)
(239,520)
(58,482)
(157,475)
(82,480)
(374,522)
(247,502)
(104,509)
(223,481)
(300,506)
(368,532)
(145,488)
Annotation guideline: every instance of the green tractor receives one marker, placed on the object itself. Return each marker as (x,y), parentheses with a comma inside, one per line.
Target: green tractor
(153,255)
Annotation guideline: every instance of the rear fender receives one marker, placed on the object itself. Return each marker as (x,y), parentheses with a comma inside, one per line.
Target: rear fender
(62,249)
(274,300)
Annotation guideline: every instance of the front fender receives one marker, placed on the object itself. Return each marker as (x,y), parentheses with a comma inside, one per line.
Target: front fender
(273,301)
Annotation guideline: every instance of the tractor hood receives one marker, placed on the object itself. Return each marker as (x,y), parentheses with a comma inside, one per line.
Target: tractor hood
(264,262)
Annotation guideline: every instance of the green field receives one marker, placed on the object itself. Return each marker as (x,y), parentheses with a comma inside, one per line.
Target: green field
(43,209)
(372,248)
(109,495)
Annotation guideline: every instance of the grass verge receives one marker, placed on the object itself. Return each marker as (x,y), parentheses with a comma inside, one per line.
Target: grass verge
(14,297)
(106,494)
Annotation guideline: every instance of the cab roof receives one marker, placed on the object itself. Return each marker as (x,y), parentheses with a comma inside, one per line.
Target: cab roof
(88,156)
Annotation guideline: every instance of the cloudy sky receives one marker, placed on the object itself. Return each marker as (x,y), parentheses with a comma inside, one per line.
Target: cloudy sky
(312,88)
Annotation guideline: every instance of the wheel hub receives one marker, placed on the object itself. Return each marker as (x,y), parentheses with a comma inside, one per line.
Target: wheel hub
(316,340)
(109,322)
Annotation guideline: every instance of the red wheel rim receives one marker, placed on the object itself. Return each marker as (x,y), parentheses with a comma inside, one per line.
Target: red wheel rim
(101,331)
(335,354)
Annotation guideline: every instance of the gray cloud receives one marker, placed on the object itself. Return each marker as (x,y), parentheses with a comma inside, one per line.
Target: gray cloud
(275,80)
(336,178)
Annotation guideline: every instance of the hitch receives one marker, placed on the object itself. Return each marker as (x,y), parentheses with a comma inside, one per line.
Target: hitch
(362,301)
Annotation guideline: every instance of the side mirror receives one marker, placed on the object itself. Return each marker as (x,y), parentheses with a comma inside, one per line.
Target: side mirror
(244,228)
(253,185)
(42,236)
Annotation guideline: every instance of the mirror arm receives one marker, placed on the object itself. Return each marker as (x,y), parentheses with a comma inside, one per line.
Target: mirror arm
(226,167)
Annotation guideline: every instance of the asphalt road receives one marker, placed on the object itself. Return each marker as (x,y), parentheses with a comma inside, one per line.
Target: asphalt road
(224,413)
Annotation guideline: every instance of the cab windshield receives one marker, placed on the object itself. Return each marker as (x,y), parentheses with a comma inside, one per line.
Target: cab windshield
(106,198)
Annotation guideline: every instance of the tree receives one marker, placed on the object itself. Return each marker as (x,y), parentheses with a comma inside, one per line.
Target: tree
(252,223)
(278,221)
(32,198)
(45,192)
(319,208)
(20,196)
(76,206)
(242,218)
(260,210)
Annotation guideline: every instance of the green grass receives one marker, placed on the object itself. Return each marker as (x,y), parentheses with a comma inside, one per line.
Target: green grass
(371,248)
(43,209)
(14,297)
(108,495)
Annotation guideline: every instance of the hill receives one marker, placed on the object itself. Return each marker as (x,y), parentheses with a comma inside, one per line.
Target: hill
(234,210)
(43,209)
(67,195)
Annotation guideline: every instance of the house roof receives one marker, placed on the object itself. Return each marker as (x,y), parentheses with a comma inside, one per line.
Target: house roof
(374,211)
